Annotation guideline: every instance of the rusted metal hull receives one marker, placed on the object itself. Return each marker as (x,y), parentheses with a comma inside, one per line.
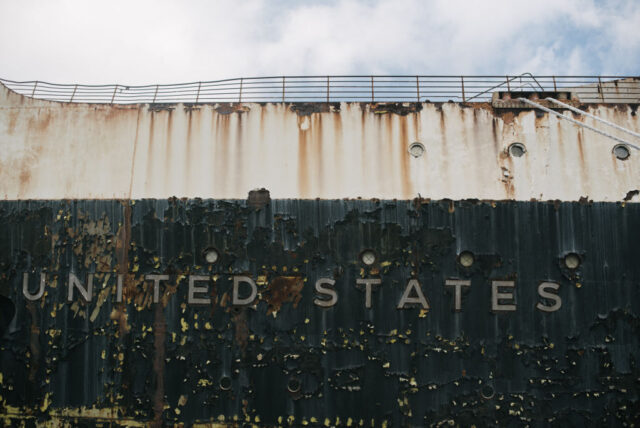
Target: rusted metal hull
(285,360)
(316,150)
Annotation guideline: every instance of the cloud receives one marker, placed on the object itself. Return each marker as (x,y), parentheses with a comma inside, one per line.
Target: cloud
(163,41)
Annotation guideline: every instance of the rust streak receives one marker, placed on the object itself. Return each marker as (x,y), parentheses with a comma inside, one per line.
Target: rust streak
(404,156)
(123,241)
(316,129)
(283,289)
(303,167)
(187,158)
(159,328)
(168,155)
(150,163)
(239,319)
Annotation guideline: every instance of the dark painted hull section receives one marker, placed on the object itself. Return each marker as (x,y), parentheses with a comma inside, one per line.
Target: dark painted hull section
(174,362)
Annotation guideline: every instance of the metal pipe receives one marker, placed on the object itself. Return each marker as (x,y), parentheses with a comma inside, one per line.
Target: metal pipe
(599,119)
(548,110)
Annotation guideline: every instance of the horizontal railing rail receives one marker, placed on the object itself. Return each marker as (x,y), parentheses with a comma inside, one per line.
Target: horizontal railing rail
(611,89)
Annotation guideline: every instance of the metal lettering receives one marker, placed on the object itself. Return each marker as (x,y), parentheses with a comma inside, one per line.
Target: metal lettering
(551,296)
(25,287)
(156,284)
(74,282)
(193,289)
(496,296)
(237,301)
(413,284)
(457,285)
(368,282)
(326,291)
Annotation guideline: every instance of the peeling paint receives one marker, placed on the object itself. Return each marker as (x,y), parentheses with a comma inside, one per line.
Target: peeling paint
(286,361)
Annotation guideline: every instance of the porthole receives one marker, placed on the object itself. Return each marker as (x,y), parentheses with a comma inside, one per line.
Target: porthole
(517,150)
(416,149)
(621,151)
(294,385)
(368,257)
(211,255)
(466,259)
(572,261)
(487,392)
(225,383)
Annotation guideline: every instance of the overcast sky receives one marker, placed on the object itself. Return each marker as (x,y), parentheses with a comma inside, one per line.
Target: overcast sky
(138,42)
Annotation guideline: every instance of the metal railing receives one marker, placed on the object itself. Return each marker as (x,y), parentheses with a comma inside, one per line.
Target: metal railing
(611,89)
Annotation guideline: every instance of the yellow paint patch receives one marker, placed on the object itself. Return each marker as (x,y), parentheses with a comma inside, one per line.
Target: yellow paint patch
(46,402)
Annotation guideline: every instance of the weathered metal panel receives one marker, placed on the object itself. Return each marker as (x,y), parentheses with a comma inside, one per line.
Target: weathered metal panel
(83,151)
(174,362)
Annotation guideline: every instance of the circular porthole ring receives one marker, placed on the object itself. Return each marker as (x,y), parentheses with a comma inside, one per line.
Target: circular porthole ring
(368,257)
(517,149)
(416,149)
(294,385)
(211,255)
(572,261)
(466,259)
(621,151)
(225,383)
(487,392)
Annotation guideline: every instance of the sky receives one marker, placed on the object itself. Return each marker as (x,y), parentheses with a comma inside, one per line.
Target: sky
(146,42)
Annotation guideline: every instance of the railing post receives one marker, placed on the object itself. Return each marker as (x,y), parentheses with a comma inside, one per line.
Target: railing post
(418,88)
(508,83)
(73,93)
(462,82)
(35,85)
(372,93)
(198,94)
(282,88)
(327,88)
(240,93)
(113,97)
(155,94)
(555,88)
(600,89)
